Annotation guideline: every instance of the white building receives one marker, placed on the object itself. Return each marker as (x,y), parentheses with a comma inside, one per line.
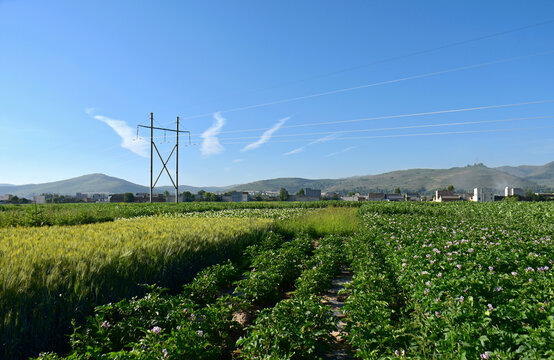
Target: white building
(508,191)
(355,197)
(481,195)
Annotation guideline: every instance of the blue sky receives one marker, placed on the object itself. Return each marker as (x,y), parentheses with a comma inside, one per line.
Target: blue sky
(256,84)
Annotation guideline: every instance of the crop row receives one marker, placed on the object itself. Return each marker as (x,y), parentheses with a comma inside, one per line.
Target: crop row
(200,322)
(53,274)
(458,286)
(76,214)
(299,327)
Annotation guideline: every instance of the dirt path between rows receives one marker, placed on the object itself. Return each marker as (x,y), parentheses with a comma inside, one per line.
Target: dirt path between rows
(340,349)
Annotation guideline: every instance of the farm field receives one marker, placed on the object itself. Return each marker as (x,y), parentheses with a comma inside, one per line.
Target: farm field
(429,281)
(79,214)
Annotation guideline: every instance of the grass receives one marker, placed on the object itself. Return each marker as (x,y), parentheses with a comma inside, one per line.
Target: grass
(321,222)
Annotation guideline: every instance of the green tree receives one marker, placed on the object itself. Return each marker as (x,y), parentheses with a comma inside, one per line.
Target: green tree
(128,197)
(211,197)
(188,196)
(166,194)
(397,190)
(450,188)
(283,194)
(300,192)
(351,193)
(200,195)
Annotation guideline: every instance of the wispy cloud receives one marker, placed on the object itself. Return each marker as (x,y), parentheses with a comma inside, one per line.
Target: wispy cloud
(323,139)
(90,110)
(341,151)
(210,143)
(238,161)
(266,135)
(316,141)
(295,151)
(129,141)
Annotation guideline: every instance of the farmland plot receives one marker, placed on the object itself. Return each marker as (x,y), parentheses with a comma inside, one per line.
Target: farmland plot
(51,275)
(446,281)
(443,282)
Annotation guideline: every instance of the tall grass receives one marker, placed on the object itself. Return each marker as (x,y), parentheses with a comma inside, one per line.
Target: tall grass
(321,222)
(49,275)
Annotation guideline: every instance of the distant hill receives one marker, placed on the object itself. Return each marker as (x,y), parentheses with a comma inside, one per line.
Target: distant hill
(92,183)
(542,175)
(420,180)
(98,183)
(291,184)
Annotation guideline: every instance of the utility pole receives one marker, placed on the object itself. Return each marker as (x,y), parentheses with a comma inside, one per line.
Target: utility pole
(164,163)
(151,152)
(177,164)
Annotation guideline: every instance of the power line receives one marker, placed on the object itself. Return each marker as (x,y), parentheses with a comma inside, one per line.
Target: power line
(397,128)
(401,135)
(393,116)
(337,91)
(415,53)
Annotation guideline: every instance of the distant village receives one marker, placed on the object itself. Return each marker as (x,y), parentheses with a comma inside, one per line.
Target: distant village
(443,195)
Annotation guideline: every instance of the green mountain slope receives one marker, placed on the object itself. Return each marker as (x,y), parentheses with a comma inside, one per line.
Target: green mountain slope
(421,180)
(98,183)
(542,175)
(92,183)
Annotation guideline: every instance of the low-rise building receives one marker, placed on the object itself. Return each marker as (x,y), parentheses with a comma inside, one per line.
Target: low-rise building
(355,197)
(313,193)
(237,196)
(510,191)
(376,197)
(412,197)
(394,197)
(482,195)
(331,196)
(446,196)
(302,198)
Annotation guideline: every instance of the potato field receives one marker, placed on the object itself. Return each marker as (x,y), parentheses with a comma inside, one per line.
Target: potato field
(425,281)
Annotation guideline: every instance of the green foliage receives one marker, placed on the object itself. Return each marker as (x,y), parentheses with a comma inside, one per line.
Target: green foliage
(188,196)
(283,194)
(150,327)
(448,281)
(273,271)
(453,281)
(53,274)
(206,285)
(128,197)
(78,214)
(321,268)
(331,220)
(298,328)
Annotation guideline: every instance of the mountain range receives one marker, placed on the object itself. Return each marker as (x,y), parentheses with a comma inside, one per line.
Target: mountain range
(537,178)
